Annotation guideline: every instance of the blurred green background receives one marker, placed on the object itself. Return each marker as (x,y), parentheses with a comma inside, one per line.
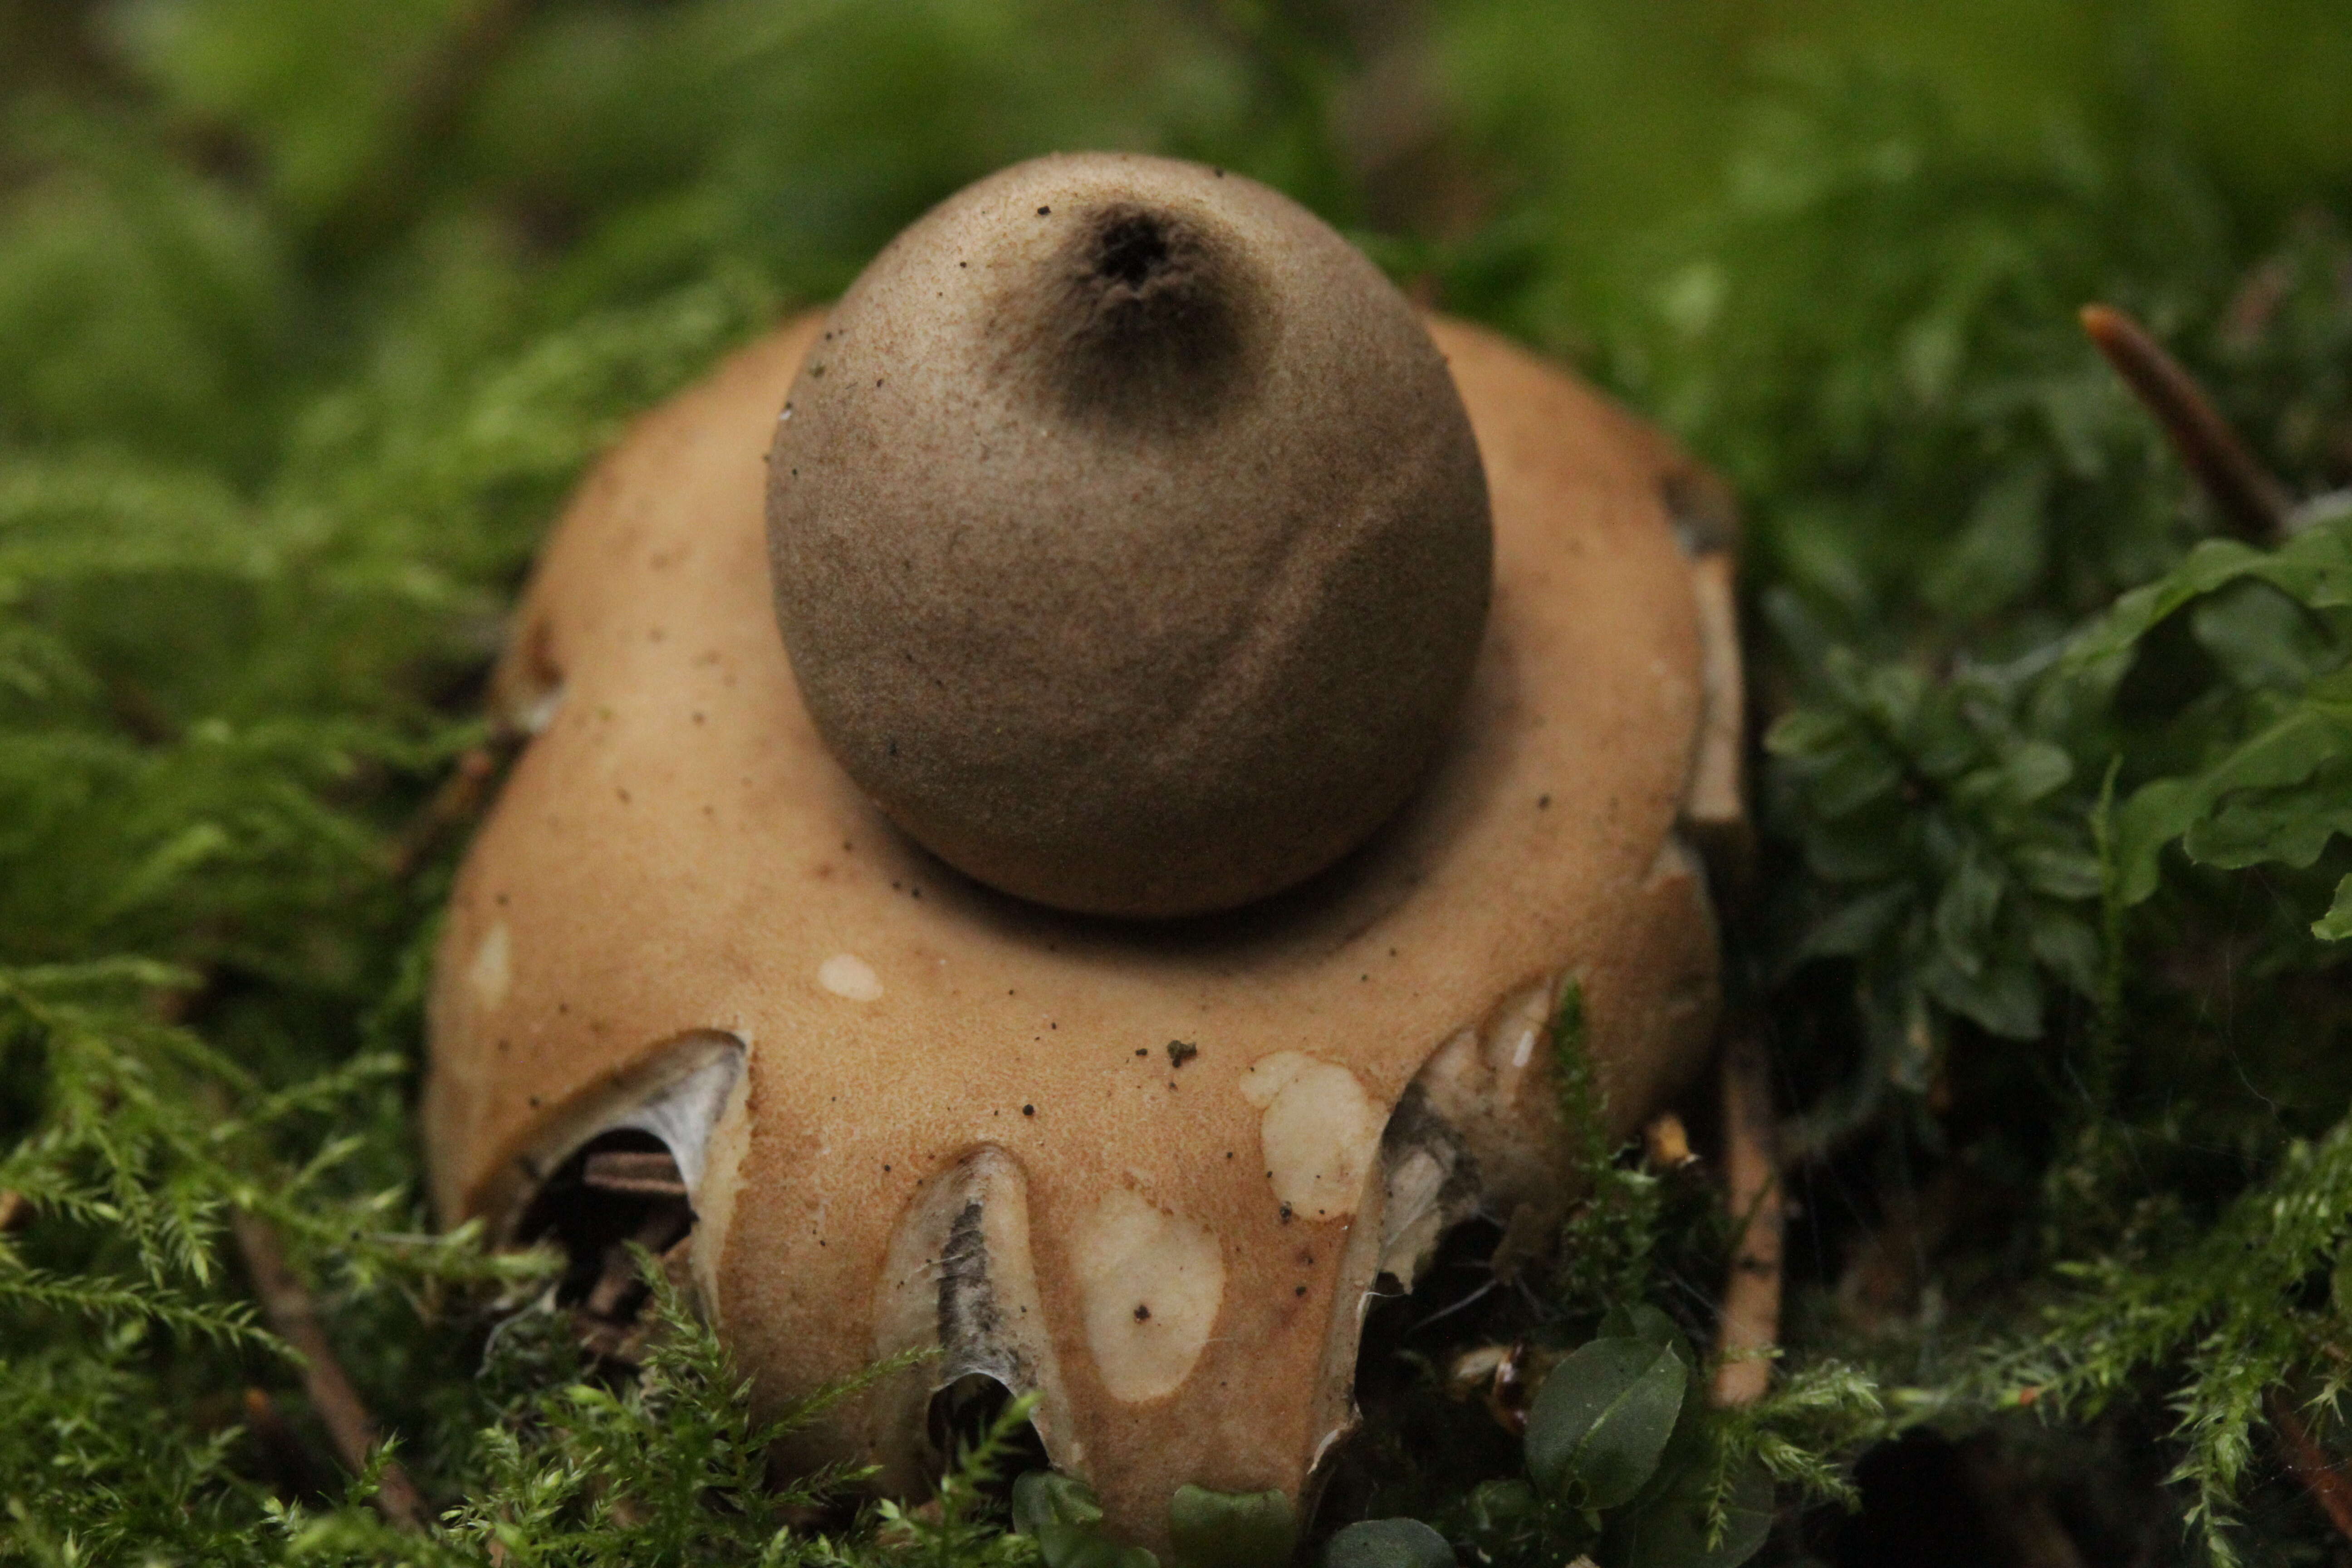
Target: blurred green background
(211,210)
(614,147)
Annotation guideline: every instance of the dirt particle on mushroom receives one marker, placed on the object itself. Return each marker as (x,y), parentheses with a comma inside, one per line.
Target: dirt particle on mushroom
(1180,1052)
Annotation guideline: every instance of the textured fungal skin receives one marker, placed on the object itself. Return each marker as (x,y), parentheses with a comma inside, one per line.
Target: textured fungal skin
(1130,541)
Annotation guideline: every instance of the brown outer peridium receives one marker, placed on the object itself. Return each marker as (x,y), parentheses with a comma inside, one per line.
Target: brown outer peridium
(676,853)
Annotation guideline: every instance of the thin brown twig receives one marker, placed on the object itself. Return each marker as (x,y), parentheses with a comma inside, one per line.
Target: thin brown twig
(459,799)
(2016,1513)
(2253,504)
(2321,1473)
(1750,1326)
(282,1448)
(287,1305)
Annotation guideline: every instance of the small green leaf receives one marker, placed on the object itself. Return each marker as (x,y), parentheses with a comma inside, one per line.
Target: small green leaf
(1041,1498)
(2068,947)
(1600,1419)
(1998,552)
(2337,923)
(1644,1322)
(1965,914)
(1678,1527)
(2308,738)
(2261,637)
(1851,778)
(1808,733)
(1863,849)
(2004,1000)
(2289,827)
(1503,1505)
(1858,924)
(1388,1544)
(2032,771)
(1231,1529)
(1060,1511)
(2061,871)
(1080,1546)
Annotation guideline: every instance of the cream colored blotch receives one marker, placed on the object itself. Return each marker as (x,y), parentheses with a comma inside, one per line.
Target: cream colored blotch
(1319,1135)
(1152,1283)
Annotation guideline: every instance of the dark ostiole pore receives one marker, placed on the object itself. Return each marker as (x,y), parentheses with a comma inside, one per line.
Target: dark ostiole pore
(1153,319)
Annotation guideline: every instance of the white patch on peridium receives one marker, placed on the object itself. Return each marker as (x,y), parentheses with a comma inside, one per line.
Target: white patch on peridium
(1150,1283)
(492,970)
(1413,1213)
(1321,1132)
(848,976)
(1674,861)
(540,712)
(722,1180)
(1512,1036)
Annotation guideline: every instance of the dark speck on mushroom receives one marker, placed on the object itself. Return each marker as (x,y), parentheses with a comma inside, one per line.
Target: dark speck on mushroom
(1028,1111)
(1044,211)
(1142,1313)
(1180,1052)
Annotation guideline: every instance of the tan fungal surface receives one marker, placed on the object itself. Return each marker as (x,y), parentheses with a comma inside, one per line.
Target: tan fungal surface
(675,857)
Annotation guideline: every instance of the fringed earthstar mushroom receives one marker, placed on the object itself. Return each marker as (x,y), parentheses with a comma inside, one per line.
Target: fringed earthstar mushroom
(1123,930)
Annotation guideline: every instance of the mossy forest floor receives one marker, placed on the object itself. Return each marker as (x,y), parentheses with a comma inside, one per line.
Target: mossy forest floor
(309,314)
